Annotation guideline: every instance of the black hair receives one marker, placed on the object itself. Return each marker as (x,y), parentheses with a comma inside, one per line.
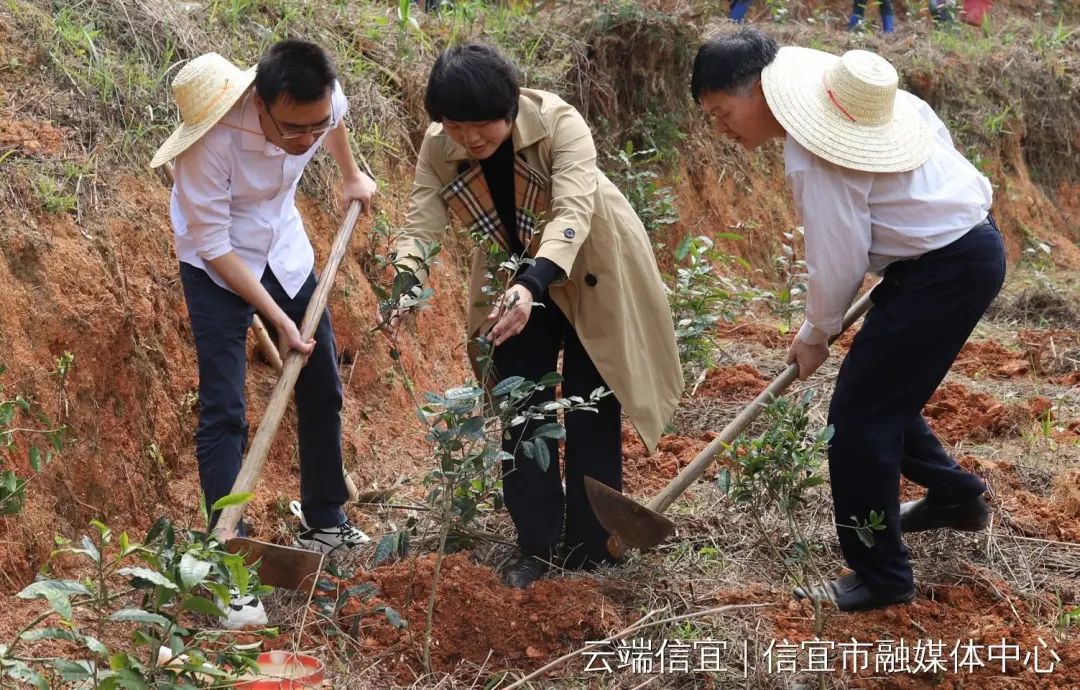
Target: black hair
(472,82)
(731,63)
(300,71)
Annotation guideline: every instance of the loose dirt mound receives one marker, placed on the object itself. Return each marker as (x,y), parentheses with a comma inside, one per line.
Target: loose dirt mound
(26,137)
(646,474)
(958,414)
(1050,514)
(477,618)
(738,383)
(754,332)
(991,359)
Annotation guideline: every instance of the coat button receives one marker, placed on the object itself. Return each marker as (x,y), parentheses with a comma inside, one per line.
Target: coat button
(590,280)
(569,233)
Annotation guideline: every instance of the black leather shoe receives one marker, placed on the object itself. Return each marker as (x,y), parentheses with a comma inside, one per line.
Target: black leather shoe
(521,571)
(849,593)
(922,515)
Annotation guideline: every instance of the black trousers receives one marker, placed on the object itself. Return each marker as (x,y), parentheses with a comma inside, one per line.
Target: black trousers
(535,499)
(924,310)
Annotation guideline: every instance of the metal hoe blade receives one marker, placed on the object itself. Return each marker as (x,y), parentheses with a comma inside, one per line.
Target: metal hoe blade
(280,566)
(629,523)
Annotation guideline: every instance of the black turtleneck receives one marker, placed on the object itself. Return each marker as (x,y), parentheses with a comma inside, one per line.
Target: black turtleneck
(499,174)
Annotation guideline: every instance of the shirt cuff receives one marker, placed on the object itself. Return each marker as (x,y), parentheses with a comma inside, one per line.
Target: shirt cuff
(213,244)
(538,277)
(813,336)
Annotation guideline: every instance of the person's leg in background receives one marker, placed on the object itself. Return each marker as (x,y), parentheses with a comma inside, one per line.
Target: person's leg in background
(739,8)
(858,11)
(926,463)
(888,16)
(323,492)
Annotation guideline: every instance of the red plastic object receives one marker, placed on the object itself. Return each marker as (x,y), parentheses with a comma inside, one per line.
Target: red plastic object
(311,676)
(975,11)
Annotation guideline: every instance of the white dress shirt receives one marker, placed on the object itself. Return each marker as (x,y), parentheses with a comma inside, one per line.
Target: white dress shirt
(235,191)
(856,222)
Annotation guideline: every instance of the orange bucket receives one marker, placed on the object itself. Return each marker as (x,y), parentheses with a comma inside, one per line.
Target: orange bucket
(975,11)
(281,670)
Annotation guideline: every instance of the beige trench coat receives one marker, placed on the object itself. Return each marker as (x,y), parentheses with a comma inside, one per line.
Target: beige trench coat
(613,295)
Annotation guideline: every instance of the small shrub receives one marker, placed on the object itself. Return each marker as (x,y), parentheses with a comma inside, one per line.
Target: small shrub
(149,592)
(639,182)
(700,297)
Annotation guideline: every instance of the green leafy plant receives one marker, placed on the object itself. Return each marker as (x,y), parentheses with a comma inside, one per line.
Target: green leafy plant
(407,23)
(786,300)
(332,601)
(700,297)
(996,124)
(637,179)
(778,9)
(64,363)
(54,197)
(1067,620)
(19,419)
(865,528)
(776,471)
(153,592)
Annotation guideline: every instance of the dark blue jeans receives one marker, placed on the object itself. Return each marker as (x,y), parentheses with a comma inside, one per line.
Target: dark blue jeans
(219,321)
(924,310)
(859,8)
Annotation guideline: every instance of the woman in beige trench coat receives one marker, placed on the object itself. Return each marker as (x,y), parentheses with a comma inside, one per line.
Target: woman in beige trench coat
(519,167)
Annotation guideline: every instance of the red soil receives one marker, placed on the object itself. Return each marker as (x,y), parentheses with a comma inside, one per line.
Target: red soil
(958,414)
(645,474)
(991,359)
(754,332)
(738,383)
(477,618)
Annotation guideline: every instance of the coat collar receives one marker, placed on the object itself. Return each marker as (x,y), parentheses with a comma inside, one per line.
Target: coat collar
(469,198)
(529,128)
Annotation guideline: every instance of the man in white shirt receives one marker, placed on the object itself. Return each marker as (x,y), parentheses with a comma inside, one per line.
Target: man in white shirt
(242,248)
(879,187)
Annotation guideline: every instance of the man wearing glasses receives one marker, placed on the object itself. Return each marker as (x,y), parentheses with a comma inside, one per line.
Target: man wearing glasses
(242,248)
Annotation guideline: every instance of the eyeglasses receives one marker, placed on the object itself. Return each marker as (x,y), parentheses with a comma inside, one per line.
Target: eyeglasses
(297,133)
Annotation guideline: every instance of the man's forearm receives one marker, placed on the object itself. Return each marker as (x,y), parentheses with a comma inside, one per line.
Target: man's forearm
(240,280)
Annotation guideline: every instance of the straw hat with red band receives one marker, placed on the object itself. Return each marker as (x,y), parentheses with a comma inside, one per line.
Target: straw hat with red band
(845,109)
(204,89)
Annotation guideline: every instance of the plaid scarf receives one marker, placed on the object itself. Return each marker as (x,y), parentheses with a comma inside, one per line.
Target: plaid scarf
(469,198)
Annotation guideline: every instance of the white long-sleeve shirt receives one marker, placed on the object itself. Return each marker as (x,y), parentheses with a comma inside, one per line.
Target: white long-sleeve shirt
(856,222)
(235,191)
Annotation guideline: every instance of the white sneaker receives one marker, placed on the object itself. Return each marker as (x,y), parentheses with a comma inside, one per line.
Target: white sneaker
(326,539)
(243,612)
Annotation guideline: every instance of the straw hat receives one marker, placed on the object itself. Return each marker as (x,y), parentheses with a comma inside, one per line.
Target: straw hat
(204,90)
(845,110)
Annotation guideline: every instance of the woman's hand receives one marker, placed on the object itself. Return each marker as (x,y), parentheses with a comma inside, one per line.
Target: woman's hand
(515,307)
(392,324)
